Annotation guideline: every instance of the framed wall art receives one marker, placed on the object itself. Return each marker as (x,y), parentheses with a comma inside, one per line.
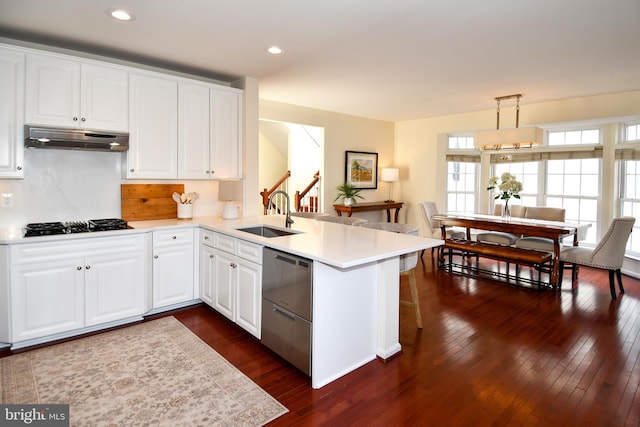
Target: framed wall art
(361,169)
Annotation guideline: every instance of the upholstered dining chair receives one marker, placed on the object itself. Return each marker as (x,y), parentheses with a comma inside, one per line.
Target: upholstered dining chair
(499,237)
(408,262)
(432,226)
(346,220)
(544,213)
(607,255)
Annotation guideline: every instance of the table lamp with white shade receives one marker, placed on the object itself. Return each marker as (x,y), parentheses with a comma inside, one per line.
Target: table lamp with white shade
(390,175)
(230,191)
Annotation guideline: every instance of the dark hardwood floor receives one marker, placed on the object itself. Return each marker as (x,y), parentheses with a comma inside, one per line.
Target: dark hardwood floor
(489,355)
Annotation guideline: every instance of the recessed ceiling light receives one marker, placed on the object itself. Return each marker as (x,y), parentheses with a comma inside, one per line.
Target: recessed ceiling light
(275,50)
(119,14)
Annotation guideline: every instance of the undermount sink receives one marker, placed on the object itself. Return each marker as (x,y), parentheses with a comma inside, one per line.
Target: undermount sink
(266,231)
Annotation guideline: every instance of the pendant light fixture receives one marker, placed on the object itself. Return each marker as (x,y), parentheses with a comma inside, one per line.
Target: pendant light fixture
(508,138)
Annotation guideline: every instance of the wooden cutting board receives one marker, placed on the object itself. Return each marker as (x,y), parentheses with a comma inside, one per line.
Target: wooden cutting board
(149,201)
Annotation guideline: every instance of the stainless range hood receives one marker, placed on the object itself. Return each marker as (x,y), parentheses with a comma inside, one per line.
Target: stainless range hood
(75,139)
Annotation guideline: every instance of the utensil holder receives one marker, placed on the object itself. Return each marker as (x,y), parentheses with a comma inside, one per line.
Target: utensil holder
(185,211)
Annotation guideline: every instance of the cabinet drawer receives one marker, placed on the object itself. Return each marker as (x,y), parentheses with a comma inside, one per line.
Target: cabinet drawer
(64,248)
(224,243)
(172,237)
(207,237)
(249,251)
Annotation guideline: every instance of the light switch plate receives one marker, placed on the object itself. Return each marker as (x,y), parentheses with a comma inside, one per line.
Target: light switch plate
(7,200)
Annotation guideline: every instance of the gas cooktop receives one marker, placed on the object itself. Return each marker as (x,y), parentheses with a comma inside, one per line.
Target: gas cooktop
(71,227)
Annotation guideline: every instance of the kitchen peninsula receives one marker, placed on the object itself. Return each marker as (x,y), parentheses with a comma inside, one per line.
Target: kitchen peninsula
(355,281)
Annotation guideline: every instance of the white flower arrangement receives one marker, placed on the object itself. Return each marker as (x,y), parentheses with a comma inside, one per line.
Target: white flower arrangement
(509,187)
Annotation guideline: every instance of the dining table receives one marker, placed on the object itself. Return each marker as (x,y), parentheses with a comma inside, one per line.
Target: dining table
(554,230)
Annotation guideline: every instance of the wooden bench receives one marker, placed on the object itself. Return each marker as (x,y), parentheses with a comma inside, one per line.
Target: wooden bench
(541,261)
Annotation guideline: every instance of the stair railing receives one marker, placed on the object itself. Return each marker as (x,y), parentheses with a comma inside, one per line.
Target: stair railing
(277,204)
(305,202)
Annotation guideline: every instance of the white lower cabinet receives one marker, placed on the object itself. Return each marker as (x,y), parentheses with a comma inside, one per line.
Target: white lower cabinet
(173,265)
(207,269)
(231,278)
(47,298)
(57,287)
(224,279)
(113,288)
(249,296)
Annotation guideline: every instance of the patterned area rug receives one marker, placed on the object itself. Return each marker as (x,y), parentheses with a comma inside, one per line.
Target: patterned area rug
(153,373)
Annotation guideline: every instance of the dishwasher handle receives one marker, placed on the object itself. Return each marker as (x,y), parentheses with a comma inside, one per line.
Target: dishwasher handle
(284,313)
(279,257)
(293,261)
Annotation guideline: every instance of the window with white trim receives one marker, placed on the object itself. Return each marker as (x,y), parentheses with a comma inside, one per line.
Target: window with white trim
(574,137)
(527,174)
(632,133)
(630,189)
(574,184)
(462,175)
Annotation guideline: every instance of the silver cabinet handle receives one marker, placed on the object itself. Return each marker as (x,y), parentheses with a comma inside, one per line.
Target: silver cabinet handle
(173,237)
(78,268)
(131,170)
(233,265)
(206,237)
(75,119)
(83,119)
(19,168)
(155,257)
(88,267)
(210,256)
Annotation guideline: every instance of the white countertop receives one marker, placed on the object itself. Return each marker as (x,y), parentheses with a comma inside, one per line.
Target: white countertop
(330,243)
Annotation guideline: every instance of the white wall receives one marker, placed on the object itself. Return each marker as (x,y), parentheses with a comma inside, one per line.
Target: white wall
(68,185)
(270,155)
(341,133)
(416,141)
(419,145)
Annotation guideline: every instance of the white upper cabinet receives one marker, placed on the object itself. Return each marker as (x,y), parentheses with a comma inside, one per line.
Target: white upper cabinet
(67,93)
(104,98)
(11,114)
(153,123)
(193,131)
(225,135)
(209,140)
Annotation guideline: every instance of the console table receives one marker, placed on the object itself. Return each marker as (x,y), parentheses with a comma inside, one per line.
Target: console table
(371,206)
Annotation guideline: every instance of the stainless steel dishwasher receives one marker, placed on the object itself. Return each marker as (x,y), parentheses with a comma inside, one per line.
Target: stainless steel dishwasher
(287,282)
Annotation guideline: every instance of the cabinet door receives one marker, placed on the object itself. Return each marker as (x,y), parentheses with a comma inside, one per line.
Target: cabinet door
(46,298)
(193,131)
(114,286)
(52,91)
(104,98)
(224,283)
(248,296)
(225,134)
(153,128)
(172,274)
(11,114)
(207,274)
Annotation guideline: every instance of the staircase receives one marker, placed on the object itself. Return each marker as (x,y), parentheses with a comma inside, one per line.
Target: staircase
(307,200)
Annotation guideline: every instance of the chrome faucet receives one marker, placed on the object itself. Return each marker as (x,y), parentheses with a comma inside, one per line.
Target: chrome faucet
(288,221)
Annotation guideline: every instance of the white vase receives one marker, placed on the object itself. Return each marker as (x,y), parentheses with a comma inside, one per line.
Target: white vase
(348,201)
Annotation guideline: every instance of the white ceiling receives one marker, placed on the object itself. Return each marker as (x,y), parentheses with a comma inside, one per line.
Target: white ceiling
(383,59)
